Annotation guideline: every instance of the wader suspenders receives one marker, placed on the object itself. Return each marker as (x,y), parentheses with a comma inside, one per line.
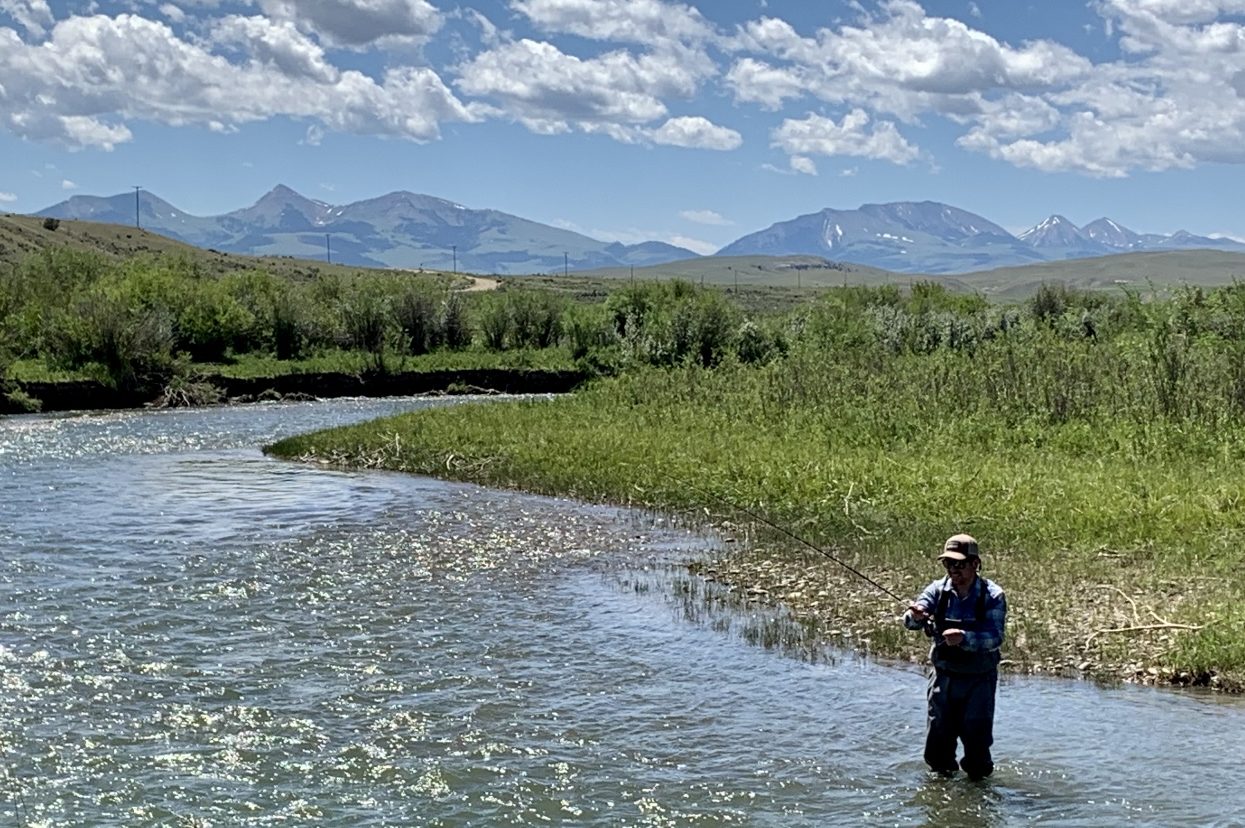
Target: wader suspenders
(944,598)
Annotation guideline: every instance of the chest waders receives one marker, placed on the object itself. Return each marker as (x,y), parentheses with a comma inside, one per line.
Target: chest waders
(961,695)
(957,659)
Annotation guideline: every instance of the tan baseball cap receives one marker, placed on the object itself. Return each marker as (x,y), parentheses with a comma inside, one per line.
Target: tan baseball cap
(960,548)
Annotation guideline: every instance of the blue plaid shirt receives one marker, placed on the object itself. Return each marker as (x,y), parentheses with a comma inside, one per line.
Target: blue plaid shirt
(985,635)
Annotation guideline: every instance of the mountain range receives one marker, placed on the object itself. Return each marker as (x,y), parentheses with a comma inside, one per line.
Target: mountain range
(936,238)
(401,229)
(408,230)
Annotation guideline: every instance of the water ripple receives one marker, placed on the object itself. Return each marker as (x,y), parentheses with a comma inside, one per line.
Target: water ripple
(193,634)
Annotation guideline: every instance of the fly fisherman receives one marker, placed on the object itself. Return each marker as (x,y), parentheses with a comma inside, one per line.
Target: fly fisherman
(964,614)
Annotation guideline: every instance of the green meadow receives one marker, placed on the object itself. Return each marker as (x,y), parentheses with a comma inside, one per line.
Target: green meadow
(1093,443)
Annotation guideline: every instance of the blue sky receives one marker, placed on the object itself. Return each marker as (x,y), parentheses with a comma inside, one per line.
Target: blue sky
(692,123)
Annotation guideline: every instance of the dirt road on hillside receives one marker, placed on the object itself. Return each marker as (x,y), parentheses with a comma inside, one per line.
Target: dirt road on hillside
(482,283)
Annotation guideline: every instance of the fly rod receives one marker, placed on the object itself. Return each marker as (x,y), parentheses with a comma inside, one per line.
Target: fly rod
(785,531)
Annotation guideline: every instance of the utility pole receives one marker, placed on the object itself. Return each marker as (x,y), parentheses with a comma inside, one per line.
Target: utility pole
(328,250)
(566,263)
(454,248)
(136,222)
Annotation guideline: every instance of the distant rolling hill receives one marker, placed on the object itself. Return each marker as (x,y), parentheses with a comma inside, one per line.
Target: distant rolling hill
(1146,272)
(400,229)
(768,271)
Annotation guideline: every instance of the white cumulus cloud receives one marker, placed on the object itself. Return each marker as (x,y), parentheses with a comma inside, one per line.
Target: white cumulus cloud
(8,198)
(279,45)
(856,135)
(35,16)
(359,23)
(66,184)
(647,22)
(95,74)
(539,82)
(1176,100)
(905,63)
(1177,103)
(696,132)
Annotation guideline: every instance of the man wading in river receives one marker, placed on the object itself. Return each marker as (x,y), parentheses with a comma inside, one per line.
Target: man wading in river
(964,614)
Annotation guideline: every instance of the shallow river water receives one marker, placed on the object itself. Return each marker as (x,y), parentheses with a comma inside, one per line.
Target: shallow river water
(194,634)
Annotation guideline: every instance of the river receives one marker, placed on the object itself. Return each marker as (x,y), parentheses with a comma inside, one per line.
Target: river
(194,634)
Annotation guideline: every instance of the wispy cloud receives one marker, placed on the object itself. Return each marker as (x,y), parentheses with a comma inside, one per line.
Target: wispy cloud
(66,184)
(8,198)
(803,164)
(706,217)
(700,246)
(635,235)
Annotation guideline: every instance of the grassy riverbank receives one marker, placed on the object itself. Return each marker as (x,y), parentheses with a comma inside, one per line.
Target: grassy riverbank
(1102,473)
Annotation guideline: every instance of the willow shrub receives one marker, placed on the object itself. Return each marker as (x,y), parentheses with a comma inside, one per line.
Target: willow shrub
(127,347)
(454,323)
(495,321)
(537,319)
(415,309)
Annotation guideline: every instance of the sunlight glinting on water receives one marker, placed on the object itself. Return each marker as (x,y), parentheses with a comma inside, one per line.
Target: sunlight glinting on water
(193,634)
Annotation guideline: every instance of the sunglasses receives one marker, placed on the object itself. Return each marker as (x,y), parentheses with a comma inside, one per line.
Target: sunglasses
(954,566)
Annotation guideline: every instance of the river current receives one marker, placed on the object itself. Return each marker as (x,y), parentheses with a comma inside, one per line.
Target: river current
(194,634)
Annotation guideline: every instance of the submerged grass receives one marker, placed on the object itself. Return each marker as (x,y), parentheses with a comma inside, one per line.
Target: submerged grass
(1114,527)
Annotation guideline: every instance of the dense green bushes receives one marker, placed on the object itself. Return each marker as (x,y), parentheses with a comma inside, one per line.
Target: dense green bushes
(137,323)
(134,323)
(1063,356)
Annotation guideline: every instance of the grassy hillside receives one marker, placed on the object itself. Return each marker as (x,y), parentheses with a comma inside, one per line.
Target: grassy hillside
(768,271)
(22,236)
(1142,271)
(1158,272)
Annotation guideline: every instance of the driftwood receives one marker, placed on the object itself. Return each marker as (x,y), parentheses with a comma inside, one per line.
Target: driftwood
(1137,626)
